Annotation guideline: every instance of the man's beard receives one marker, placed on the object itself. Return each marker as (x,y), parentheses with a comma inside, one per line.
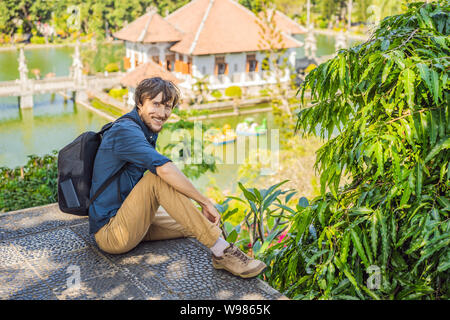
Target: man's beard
(151,127)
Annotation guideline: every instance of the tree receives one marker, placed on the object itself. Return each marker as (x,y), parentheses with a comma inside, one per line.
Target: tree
(275,65)
(235,93)
(386,233)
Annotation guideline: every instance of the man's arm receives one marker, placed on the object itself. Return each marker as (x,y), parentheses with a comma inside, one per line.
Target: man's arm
(173,176)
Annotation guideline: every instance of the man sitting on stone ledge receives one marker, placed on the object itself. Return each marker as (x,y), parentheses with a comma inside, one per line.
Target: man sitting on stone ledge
(120,225)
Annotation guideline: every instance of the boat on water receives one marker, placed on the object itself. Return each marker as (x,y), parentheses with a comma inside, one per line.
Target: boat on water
(221,136)
(251,128)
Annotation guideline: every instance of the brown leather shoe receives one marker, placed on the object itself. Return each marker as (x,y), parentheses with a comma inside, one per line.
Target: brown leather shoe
(238,263)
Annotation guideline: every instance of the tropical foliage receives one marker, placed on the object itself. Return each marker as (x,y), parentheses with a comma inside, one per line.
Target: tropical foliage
(31,185)
(100,19)
(262,217)
(384,105)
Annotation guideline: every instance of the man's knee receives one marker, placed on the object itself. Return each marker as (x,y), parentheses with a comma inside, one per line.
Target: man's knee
(114,247)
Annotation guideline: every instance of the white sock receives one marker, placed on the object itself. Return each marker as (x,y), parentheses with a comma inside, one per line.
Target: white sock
(219,246)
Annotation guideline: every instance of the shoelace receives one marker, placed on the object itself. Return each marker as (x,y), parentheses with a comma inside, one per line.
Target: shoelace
(238,253)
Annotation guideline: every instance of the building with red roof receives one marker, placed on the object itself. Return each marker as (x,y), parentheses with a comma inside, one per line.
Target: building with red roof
(218,39)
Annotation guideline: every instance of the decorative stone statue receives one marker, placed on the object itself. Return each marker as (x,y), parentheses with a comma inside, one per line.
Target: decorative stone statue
(26,94)
(23,69)
(77,65)
(310,44)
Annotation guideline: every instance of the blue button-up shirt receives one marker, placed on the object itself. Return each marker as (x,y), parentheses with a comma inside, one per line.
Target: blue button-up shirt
(124,142)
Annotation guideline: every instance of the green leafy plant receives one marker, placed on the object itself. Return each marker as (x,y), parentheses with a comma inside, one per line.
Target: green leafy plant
(388,101)
(216,94)
(32,185)
(263,217)
(112,67)
(118,93)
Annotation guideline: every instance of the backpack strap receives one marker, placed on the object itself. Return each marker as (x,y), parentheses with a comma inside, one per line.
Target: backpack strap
(107,183)
(122,169)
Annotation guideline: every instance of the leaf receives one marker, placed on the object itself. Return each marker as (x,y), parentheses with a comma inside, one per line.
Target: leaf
(425,74)
(444,266)
(419,176)
(386,70)
(315,257)
(269,239)
(289,196)
(359,248)
(408,78)
(384,238)
(232,236)
(303,202)
(374,234)
(444,143)
(282,206)
(435,86)
(247,193)
(236,198)
(360,211)
(345,247)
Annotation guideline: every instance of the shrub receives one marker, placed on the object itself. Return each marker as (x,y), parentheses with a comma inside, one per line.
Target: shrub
(118,93)
(37,40)
(216,94)
(233,92)
(32,185)
(386,233)
(112,67)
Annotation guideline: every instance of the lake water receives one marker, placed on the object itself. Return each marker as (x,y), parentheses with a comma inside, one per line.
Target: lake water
(53,122)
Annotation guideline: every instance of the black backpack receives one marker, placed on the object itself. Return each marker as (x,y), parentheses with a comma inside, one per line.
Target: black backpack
(75,165)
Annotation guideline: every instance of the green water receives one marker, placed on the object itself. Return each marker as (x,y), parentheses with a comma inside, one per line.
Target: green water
(58,59)
(49,125)
(228,163)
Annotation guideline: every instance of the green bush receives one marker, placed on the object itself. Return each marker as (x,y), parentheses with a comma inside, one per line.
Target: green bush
(32,185)
(262,217)
(37,40)
(233,91)
(216,94)
(118,93)
(384,234)
(112,67)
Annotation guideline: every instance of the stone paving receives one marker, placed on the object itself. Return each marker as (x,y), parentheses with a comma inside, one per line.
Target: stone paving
(42,250)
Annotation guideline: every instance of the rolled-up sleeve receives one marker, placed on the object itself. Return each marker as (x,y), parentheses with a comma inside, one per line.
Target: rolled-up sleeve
(129,144)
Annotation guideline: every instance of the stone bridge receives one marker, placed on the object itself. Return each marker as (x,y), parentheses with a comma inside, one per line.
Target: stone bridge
(76,82)
(31,86)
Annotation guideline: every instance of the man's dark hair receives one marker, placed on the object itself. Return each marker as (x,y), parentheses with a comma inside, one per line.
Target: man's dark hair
(149,88)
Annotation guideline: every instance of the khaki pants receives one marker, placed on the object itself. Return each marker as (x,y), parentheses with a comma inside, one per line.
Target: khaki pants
(138,219)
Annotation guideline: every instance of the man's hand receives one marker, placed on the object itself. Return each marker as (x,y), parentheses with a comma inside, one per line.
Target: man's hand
(210,212)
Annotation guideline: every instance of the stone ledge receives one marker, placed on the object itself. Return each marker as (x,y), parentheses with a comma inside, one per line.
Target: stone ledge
(42,248)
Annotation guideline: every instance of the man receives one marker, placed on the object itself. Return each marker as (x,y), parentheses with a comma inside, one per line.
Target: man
(126,212)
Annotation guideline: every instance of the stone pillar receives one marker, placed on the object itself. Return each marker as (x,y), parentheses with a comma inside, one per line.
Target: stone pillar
(77,66)
(162,57)
(26,90)
(79,79)
(310,44)
(81,95)
(132,59)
